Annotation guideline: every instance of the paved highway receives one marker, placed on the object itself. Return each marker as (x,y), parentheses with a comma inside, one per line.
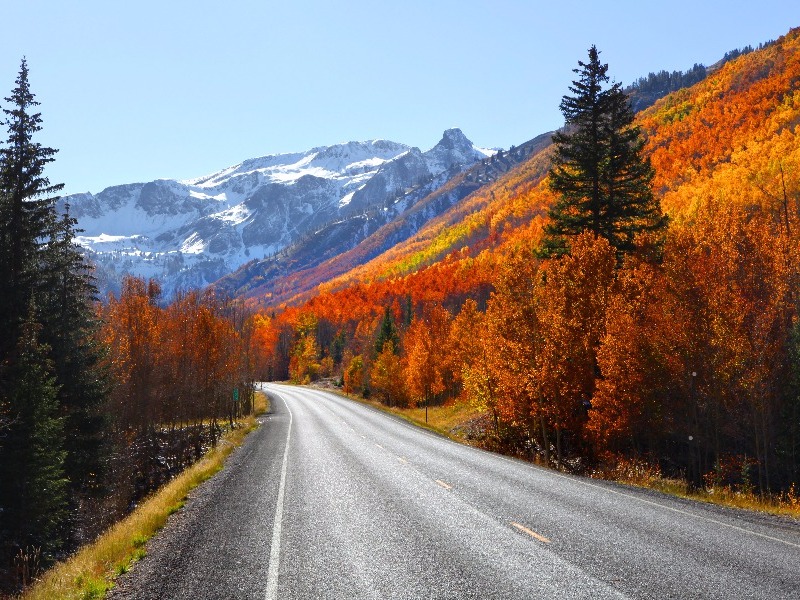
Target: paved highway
(332,499)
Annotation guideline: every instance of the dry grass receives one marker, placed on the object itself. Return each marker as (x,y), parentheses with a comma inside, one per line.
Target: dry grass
(260,403)
(91,571)
(445,420)
(642,474)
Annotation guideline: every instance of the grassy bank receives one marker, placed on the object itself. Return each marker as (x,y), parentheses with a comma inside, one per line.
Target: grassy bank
(454,421)
(90,573)
(641,474)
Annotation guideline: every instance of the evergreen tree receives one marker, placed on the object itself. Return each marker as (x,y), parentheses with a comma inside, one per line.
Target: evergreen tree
(26,210)
(602,179)
(387,333)
(70,328)
(33,496)
(50,374)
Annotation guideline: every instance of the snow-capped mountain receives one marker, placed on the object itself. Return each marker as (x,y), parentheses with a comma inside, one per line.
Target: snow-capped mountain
(189,233)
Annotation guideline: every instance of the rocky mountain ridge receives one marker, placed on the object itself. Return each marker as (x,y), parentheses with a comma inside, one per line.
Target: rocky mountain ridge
(188,234)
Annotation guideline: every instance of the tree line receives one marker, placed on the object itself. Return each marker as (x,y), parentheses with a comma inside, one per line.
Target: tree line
(99,403)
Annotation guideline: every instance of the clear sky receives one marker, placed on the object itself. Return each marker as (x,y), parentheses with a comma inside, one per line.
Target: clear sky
(135,91)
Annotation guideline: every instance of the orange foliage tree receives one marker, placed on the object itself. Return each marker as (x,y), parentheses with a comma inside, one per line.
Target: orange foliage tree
(178,364)
(387,378)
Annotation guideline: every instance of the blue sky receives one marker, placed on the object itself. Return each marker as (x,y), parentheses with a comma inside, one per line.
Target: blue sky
(134,91)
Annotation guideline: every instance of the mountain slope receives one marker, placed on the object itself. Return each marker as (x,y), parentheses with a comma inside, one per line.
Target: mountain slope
(190,233)
(730,138)
(362,237)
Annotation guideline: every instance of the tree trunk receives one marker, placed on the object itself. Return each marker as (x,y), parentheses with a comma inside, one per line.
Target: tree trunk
(545,442)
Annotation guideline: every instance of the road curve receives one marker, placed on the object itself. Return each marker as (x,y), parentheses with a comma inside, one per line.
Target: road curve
(333,499)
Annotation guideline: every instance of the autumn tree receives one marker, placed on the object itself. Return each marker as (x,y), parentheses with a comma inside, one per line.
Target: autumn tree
(789,445)
(304,365)
(639,359)
(572,306)
(473,348)
(354,376)
(386,377)
(599,173)
(132,334)
(429,366)
(514,342)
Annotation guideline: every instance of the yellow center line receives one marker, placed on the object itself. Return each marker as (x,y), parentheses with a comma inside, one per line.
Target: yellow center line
(444,485)
(402,460)
(533,534)
(379,446)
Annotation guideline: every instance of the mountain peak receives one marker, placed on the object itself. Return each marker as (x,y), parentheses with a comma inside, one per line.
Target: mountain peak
(454,148)
(455,138)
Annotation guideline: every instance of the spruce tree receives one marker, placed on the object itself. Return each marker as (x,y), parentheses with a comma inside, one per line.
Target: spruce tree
(387,333)
(599,173)
(33,494)
(50,374)
(70,327)
(27,210)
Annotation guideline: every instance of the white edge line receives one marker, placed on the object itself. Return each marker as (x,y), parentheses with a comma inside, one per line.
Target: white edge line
(275,548)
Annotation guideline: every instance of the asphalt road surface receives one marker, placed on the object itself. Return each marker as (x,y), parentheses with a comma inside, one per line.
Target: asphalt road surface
(332,499)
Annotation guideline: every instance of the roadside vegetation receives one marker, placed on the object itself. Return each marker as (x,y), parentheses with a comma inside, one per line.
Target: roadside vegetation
(101,402)
(646,475)
(627,297)
(91,572)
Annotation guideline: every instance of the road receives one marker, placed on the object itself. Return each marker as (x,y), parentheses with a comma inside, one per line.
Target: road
(333,499)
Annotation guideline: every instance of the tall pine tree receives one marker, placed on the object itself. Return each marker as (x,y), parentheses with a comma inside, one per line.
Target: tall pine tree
(602,179)
(50,374)
(27,209)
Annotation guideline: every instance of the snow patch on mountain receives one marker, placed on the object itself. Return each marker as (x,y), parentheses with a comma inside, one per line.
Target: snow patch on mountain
(188,233)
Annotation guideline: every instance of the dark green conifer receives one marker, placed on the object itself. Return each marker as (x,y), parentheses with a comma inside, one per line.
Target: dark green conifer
(27,211)
(50,376)
(599,173)
(33,494)
(70,328)
(387,333)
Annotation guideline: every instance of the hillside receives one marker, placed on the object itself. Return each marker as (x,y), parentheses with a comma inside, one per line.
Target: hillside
(733,131)
(301,267)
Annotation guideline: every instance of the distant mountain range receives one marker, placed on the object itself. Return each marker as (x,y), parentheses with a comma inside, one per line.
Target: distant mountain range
(190,233)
